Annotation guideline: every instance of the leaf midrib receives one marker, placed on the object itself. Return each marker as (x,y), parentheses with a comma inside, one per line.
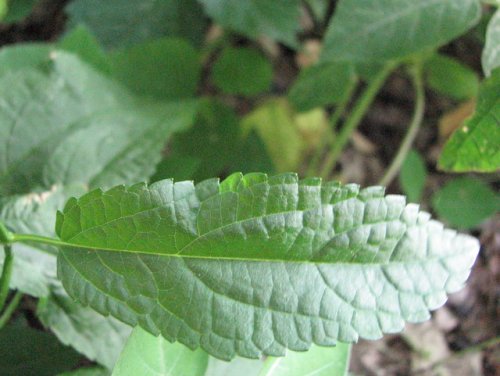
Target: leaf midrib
(200,236)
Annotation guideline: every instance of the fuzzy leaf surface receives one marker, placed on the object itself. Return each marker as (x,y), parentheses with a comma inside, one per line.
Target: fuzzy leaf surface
(374,31)
(255,265)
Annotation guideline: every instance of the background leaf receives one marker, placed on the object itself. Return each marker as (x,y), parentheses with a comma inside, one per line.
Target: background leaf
(212,140)
(164,69)
(465,202)
(100,338)
(255,18)
(412,176)
(86,128)
(81,42)
(30,352)
(274,122)
(451,78)
(491,53)
(321,85)
(374,31)
(17,10)
(475,146)
(242,71)
(255,265)
(147,355)
(122,23)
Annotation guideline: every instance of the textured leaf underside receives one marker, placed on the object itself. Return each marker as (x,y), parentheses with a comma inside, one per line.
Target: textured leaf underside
(255,265)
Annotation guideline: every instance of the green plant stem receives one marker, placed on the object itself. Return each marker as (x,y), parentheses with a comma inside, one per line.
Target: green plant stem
(358,112)
(11,308)
(416,122)
(6,274)
(5,235)
(339,110)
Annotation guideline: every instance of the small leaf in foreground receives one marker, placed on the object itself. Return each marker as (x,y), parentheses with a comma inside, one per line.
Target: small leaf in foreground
(147,355)
(317,361)
(465,202)
(254,265)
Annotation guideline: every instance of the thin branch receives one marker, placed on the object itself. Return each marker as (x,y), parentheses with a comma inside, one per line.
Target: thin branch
(358,113)
(416,122)
(6,274)
(330,138)
(11,308)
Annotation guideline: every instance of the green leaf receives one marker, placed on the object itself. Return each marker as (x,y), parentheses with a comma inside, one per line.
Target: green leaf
(242,71)
(123,23)
(370,31)
(277,19)
(255,265)
(237,366)
(18,10)
(321,85)
(73,125)
(450,77)
(92,371)
(412,176)
(476,145)
(82,43)
(34,264)
(260,159)
(212,140)
(3,9)
(100,338)
(30,352)
(147,355)
(274,122)
(318,361)
(23,55)
(465,202)
(165,68)
(491,53)
(177,167)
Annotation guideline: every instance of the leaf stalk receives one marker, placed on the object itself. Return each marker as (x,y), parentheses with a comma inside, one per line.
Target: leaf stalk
(415,124)
(358,113)
(8,262)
